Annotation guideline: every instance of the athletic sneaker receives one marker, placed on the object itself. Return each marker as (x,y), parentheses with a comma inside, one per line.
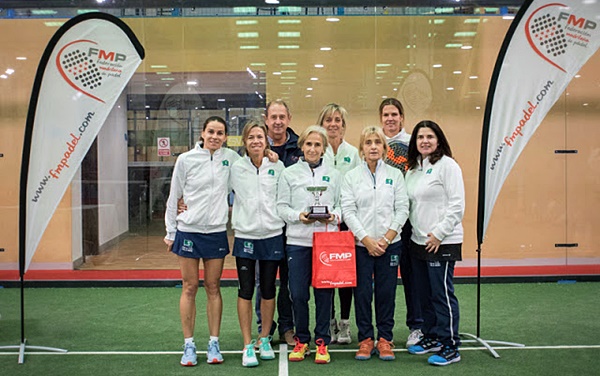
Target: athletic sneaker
(322,356)
(266,351)
(425,346)
(344,337)
(249,356)
(366,349)
(301,351)
(189,357)
(384,348)
(213,354)
(447,355)
(333,331)
(288,337)
(414,337)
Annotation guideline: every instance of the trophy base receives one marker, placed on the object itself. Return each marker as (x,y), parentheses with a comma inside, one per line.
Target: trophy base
(318,216)
(318,212)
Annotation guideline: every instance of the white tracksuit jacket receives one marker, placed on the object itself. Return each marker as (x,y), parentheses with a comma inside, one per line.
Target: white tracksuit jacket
(345,160)
(437,201)
(202,180)
(374,204)
(254,205)
(293,198)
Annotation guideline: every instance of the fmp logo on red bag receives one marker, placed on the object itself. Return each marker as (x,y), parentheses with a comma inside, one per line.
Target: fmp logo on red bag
(552,31)
(84,66)
(328,258)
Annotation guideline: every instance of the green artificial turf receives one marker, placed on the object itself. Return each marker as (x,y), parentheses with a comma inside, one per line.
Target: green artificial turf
(146,320)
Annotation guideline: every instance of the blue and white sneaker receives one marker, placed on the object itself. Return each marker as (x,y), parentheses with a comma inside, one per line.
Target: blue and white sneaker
(266,351)
(249,356)
(447,355)
(189,357)
(213,353)
(425,346)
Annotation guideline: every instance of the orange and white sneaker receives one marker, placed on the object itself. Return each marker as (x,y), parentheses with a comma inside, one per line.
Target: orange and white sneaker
(301,351)
(384,348)
(365,350)
(322,356)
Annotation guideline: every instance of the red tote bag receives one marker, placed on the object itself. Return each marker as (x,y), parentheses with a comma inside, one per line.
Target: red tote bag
(333,260)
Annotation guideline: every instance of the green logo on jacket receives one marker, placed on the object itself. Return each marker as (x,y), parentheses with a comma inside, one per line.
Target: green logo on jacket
(389,181)
(271,172)
(429,171)
(226,163)
(347,159)
(326,178)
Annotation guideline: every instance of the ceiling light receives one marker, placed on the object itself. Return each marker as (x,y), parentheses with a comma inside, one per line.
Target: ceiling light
(288,34)
(314,79)
(289,71)
(158,66)
(319,65)
(288,46)
(308,96)
(249,47)
(288,64)
(383,65)
(332,19)
(167,79)
(246,22)
(466,47)
(3,76)
(288,22)
(163,72)
(21,58)
(248,34)
(192,83)
(325,48)
(10,71)
(272,1)
(449,88)
(437,65)
(465,34)
(457,72)
(309,88)
(472,77)
(277,73)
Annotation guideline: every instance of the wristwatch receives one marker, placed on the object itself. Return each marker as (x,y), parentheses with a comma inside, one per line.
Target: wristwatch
(387,240)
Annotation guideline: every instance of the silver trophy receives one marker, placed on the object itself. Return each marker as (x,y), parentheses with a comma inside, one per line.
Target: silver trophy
(317,211)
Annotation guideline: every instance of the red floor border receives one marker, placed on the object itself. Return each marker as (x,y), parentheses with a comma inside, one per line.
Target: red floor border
(158,275)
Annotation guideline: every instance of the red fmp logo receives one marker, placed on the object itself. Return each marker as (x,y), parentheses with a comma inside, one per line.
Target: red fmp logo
(84,66)
(551,33)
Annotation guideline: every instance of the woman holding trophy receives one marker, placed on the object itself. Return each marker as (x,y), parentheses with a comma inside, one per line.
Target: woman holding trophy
(375,207)
(308,201)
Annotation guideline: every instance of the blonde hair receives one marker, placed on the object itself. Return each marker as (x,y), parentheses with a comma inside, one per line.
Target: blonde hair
(366,132)
(329,110)
(313,129)
(252,123)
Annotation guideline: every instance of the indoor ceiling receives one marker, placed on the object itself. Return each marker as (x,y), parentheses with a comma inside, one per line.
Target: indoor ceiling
(247,3)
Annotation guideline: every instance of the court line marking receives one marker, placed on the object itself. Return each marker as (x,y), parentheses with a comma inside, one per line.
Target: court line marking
(552,347)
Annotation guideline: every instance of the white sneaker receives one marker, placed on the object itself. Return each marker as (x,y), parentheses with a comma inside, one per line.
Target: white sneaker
(344,337)
(414,337)
(249,356)
(333,331)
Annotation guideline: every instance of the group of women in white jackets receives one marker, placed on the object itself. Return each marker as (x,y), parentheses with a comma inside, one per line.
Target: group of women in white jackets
(271,220)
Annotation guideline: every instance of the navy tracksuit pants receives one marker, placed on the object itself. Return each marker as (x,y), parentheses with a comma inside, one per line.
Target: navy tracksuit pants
(300,278)
(439,305)
(377,275)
